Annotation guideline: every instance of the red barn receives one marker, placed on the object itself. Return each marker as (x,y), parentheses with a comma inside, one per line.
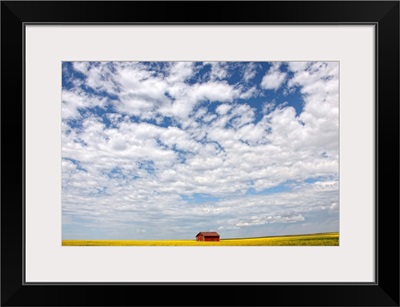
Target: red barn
(207,236)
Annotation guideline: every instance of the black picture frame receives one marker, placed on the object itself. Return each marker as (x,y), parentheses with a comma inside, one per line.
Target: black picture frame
(383,14)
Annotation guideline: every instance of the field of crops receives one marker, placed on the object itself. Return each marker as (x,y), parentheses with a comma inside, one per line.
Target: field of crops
(320,239)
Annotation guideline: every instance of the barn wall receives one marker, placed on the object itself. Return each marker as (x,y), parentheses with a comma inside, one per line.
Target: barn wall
(211,239)
(203,238)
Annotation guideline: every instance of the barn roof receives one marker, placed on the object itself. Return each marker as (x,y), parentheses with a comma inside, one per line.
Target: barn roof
(208,234)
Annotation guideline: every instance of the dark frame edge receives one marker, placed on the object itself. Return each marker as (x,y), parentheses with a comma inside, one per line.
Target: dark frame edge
(387,86)
(10,286)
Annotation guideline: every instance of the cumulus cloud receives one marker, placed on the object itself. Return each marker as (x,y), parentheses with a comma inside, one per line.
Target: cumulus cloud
(250,72)
(274,78)
(219,70)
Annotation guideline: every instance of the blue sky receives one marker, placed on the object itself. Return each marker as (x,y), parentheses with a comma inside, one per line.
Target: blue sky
(163,150)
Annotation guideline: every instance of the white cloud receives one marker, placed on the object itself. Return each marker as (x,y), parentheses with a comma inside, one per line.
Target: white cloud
(271,219)
(297,66)
(180,71)
(334,206)
(214,91)
(268,107)
(250,72)
(251,92)
(72,101)
(222,109)
(274,78)
(218,71)
(82,67)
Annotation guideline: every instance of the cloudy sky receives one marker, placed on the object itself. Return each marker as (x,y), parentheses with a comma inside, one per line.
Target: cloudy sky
(163,150)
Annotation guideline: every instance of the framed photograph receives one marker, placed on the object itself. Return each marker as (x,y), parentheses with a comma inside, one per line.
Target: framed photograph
(241,147)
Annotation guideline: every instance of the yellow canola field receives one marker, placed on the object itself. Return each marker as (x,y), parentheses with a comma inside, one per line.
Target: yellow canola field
(320,239)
